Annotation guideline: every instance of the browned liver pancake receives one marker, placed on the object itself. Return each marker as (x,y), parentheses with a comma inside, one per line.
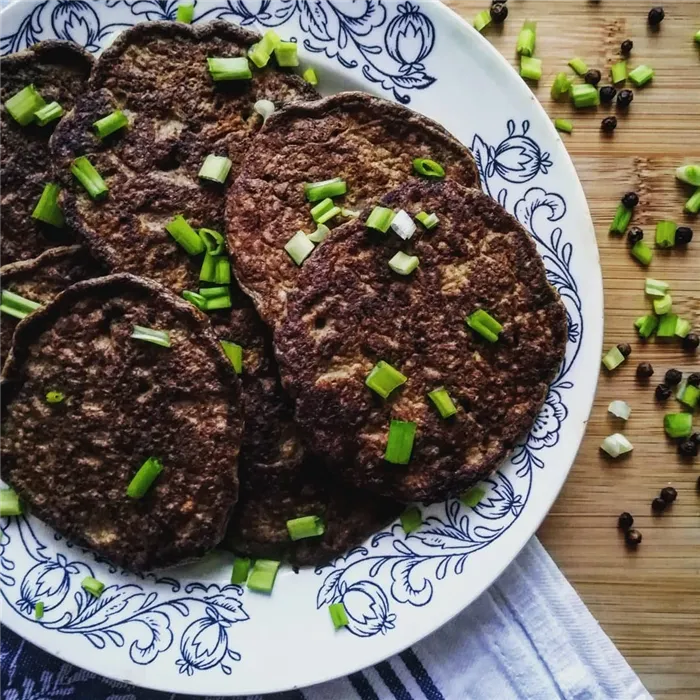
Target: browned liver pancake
(59,70)
(367,141)
(352,310)
(125,401)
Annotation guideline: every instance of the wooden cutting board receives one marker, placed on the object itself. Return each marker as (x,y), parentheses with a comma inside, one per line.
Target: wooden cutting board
(648,601)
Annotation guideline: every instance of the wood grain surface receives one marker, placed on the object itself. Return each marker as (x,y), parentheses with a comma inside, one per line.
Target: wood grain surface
(648,601)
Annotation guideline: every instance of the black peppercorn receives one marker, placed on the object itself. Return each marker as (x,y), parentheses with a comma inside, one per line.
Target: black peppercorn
(634,235)
(633,538)
(609,124)
(658,505)
(662,392)
(624,98)
(688,448)
(499,12)
(673,377)
(684,234)
(626,47)
(695,437)
(694,379)
(593,76)
(625,349)
(625,521)
(644,370)
(656,16)
(630,200)
(668,494)
(691,342)
(607,94)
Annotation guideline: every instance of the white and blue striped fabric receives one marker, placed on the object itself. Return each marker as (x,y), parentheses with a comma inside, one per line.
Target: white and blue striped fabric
(529,637)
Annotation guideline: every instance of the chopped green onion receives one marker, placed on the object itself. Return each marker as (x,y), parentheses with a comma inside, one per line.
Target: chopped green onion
(485,325)
(195,299)
(234,352)
(428,168)
(667,326)
(213,292)
(305,527)
(55,396)
(222,302)
(328,215)
(384,378)
(185,13)
(14,305)
(646,325)
(402,224)
(404,264)
(229,68)
(270,41)
(530,68)
(258,56)
(563,125)
(265,108)
(656,288)
(24,105)
(482,20)
(613,358)
(320,234)
(472,497)
(316,191)
(666,234)
(39,610)
(689,174)
(683,327)
(111,123)
(561,86)
(48,113)
(641,75)
(584,95)
(338,615)
(678,425)
(213,241)
(47,208)
(620,409)
(681,389)
(93,586)
(207,272)
(144,478)
(616,445)
(622,219)
(215,168)
(527,38)
(223,271)
(89,178)
(693,204)
(619,72)
(411,519)
(185,235)
(642,252)
(697,37)
(151,335)
(287,54)
(443,402)
(350,213)
(239,573)
(310,76)
(400,442)
(690,396)
(262,577)
(663,305)
(430,221)
(9,503)
(321,209)
(380,219)
(579,65)
(299,247)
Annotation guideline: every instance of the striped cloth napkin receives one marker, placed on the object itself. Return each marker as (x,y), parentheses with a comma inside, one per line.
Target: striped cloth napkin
(529,637)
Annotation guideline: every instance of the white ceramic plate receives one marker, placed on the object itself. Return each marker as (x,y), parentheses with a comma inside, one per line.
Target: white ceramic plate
(188,630)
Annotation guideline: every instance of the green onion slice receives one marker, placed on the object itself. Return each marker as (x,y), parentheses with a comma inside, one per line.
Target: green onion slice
(89,178)
(380,219)
(485,325)
(384,378)
(185,235)
(402,224)
(15,305)
(411,519)
(9,503)
(642,252)
(151,335)
(213,241)
(223,270)
(678,425)
(563,125)
(430,221)
(527,38)
(213,292)
(666,234)
(689,174)
(305,527)
(616,444)
(48,113)
(667,326)
(428,168)
(400,442)
(683,327)
(262,577)
(207,273)
(646,325)
(299,247)
(321,209)
(579,65)
(338,615)
(693,204)
(619,72)
(530,68)
(239,573)
(222,69)
(620,409)
(39,610)
(690,396)
(258,56)
(641,75)
(55,397)
(316,191)
(697,37)
(613,358)
(195,299)
(472,497)
(265,108)
(185,13)
(320,234)
(47,208)
(215,168)
(287,54)
(663,305)
(443,402)
(93,586)
(561,86)
(622,219)
(404,264)
(310,76)
(24,105)
(584,95)
(261,52)
(482,20)
(144,478)
(655,288)
(112,122)
(234,352)
(222,302)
